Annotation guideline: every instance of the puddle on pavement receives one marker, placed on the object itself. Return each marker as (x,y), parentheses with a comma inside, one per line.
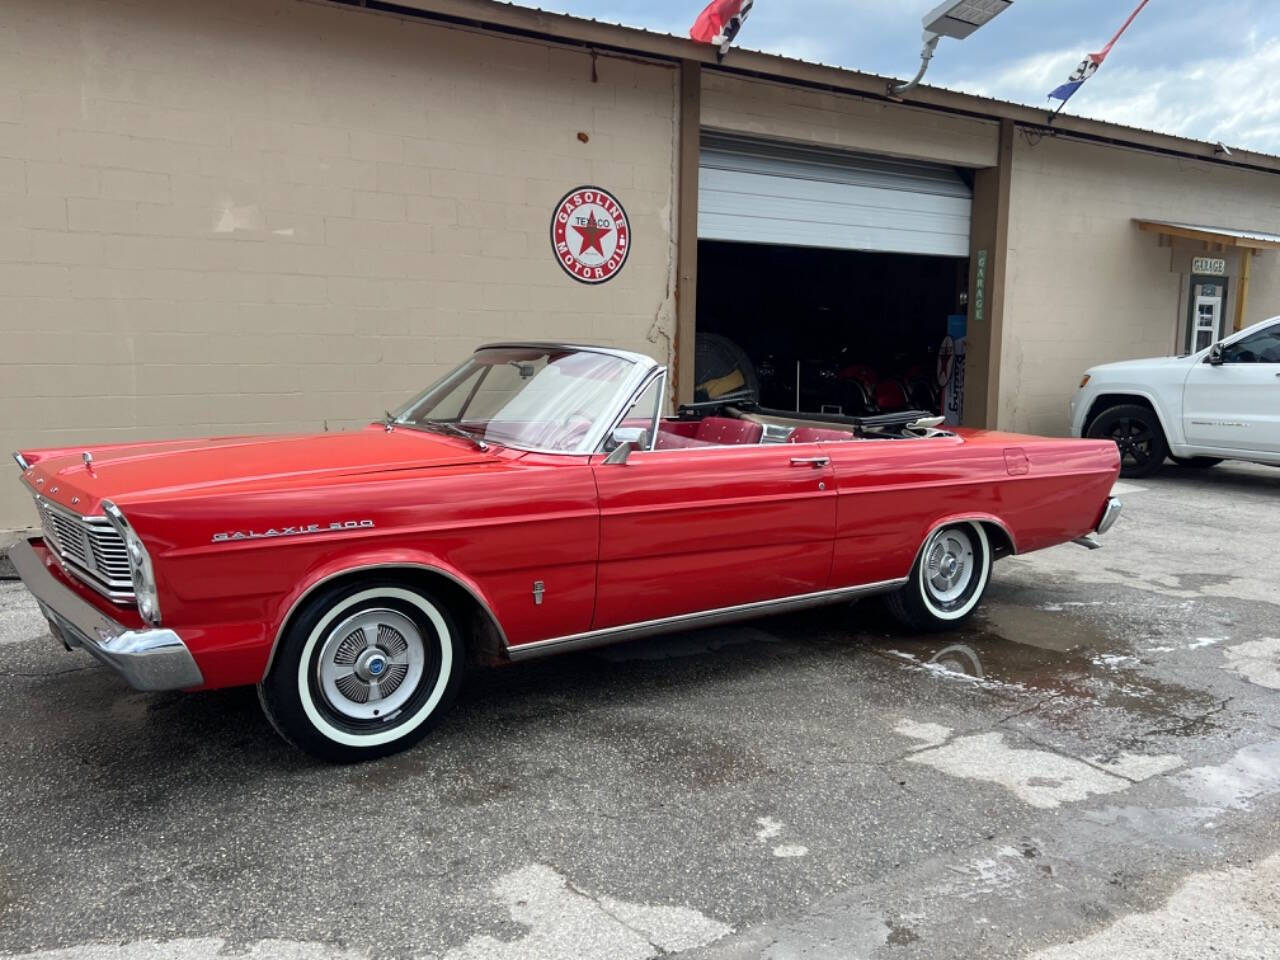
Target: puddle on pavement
(1052,653)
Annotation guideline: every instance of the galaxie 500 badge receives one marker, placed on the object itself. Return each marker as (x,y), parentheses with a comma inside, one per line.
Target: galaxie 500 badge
(296,531)
(591,235)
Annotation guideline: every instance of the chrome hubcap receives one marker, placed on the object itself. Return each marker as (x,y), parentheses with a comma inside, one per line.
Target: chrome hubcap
(370,664)
(949,564)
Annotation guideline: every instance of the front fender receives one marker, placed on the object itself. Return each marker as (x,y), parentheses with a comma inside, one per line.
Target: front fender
(370,560)
(1170,423)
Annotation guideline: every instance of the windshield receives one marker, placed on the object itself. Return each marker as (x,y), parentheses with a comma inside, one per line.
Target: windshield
(527,397)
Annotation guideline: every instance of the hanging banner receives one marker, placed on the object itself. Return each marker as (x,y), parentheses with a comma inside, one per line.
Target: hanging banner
(1090,64)
(720,22)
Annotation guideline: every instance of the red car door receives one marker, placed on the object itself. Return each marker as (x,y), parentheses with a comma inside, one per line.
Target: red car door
(688,530)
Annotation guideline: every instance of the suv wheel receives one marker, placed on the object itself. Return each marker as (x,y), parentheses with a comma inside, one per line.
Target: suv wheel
(1136,431)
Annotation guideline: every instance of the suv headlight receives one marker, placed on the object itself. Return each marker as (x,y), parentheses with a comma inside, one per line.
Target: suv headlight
(144,578)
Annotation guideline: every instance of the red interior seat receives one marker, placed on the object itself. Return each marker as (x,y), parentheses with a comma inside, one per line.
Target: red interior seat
(723,431)
(677,435)
(819,435)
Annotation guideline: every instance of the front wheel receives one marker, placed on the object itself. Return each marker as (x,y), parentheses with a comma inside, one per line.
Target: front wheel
(947,581)
(1138,435)
(365,670)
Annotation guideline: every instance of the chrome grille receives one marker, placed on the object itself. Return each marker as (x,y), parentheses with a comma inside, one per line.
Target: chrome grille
(90,550)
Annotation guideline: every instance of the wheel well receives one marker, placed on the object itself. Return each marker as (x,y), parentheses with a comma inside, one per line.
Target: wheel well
(1106,401)
(482,635)
(1001,542)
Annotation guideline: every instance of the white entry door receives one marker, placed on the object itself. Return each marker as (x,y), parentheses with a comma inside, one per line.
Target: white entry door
(1235,405)
(1206,319)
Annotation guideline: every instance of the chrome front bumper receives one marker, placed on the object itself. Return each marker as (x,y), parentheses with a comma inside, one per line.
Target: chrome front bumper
(150,659)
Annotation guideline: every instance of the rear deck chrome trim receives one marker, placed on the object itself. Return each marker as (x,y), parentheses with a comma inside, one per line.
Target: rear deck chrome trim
(694,621)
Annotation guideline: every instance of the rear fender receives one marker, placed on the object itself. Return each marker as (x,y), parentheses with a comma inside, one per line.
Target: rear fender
(989,519)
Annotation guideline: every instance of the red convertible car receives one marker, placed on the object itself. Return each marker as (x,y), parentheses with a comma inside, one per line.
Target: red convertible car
(535,500)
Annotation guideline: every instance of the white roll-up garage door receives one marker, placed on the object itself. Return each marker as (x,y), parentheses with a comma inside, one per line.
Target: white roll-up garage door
(758,192)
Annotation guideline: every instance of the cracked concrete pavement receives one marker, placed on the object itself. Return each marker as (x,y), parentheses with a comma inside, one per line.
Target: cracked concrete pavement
(1089,768)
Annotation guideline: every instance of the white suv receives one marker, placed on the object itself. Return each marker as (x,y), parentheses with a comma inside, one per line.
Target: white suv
(1219,404)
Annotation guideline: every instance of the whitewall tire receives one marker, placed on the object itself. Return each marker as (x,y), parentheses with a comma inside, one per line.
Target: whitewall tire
(948,580)
(364,670)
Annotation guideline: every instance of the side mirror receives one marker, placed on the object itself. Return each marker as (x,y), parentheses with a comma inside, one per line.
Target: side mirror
(624,440)
(1215,355)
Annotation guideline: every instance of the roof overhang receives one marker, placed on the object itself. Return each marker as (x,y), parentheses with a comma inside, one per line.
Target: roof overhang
(1222,236)
(505,17)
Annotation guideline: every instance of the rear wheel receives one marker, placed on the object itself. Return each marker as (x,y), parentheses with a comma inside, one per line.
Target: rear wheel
(1137,433)
(365,670)
(947,581)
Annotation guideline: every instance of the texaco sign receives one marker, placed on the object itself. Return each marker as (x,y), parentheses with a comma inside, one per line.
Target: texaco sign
(591,235)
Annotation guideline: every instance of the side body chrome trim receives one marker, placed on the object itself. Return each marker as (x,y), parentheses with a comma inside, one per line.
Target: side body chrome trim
(693,621)
(425,568)
(21,461)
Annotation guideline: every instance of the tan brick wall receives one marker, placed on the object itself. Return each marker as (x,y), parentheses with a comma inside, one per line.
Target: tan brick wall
(1085,286)
(266,215)
(775,110)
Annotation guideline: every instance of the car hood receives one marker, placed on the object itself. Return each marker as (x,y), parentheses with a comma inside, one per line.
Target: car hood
(178,468)
(1126,368)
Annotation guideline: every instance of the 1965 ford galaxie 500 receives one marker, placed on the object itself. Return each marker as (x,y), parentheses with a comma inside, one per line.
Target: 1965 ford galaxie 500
(535,500)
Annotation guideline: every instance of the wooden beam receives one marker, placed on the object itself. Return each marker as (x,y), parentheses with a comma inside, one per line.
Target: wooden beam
(687,230)
(1208,237)
(1242,296)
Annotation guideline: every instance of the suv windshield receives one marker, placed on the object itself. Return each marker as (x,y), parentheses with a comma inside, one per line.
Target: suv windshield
(527,397)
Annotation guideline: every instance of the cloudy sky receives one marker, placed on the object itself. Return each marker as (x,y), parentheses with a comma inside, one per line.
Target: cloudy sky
(1209,70)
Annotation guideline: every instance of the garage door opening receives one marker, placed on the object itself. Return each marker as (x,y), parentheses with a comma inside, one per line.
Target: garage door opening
(857,332)
(834,282)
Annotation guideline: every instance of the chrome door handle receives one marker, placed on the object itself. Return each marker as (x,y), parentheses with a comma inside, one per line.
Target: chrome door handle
(816,462)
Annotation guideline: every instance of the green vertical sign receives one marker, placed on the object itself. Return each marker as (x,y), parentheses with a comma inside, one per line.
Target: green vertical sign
(980,291)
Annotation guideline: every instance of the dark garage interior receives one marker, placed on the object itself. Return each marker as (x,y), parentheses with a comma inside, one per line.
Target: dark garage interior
(864,328)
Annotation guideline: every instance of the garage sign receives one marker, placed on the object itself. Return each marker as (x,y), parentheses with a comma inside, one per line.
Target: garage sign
(590,235)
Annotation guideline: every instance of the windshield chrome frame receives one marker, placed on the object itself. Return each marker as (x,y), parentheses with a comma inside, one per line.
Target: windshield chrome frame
(655,374)
(640,376)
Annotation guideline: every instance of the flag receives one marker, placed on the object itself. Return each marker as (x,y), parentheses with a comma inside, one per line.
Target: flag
(1090,64)
(1088,67)
(720,22)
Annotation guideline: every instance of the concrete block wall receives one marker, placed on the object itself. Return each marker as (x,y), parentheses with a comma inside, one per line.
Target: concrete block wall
(264,215)
(1085,286)
(779,111)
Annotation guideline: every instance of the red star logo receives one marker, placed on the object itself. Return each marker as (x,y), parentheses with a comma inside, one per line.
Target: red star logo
(591,235)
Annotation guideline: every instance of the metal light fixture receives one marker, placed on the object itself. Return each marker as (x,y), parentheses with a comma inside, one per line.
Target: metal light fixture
(956,19)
